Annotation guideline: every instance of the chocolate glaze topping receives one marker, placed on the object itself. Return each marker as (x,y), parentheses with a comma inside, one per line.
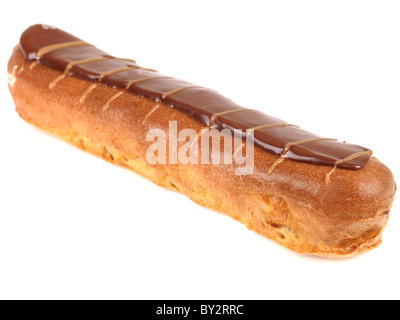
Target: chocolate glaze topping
(59,50)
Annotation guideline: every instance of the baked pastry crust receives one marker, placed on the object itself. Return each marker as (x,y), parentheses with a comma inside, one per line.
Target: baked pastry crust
(294,206)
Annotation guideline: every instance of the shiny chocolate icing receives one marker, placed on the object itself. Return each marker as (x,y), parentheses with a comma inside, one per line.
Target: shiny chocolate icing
(57,49)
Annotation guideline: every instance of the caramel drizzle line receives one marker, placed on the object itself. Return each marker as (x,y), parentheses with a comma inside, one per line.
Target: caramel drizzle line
(15,69)
(71,65)
(130,60)
(33,65)
(225,113)
(199,135)
(276,125)
(12,78)
(287,148)
(151,112)
(130,83)
(167,94)
(20,70)
(148,69)
(114,97)
(239,149)
(64,45)
(144,79)
(102,75)
(349,158)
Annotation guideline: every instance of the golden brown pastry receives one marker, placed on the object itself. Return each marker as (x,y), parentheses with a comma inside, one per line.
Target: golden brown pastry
(310,194)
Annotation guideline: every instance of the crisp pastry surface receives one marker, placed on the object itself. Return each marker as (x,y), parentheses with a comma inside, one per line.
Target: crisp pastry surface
(294,206)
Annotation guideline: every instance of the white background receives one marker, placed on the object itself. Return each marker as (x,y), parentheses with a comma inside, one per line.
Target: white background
(74,226)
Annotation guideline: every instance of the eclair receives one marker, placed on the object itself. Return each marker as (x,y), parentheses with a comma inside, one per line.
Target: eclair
(311,194)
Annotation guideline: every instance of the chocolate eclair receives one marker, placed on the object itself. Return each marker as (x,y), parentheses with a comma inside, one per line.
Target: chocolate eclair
(312,194)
